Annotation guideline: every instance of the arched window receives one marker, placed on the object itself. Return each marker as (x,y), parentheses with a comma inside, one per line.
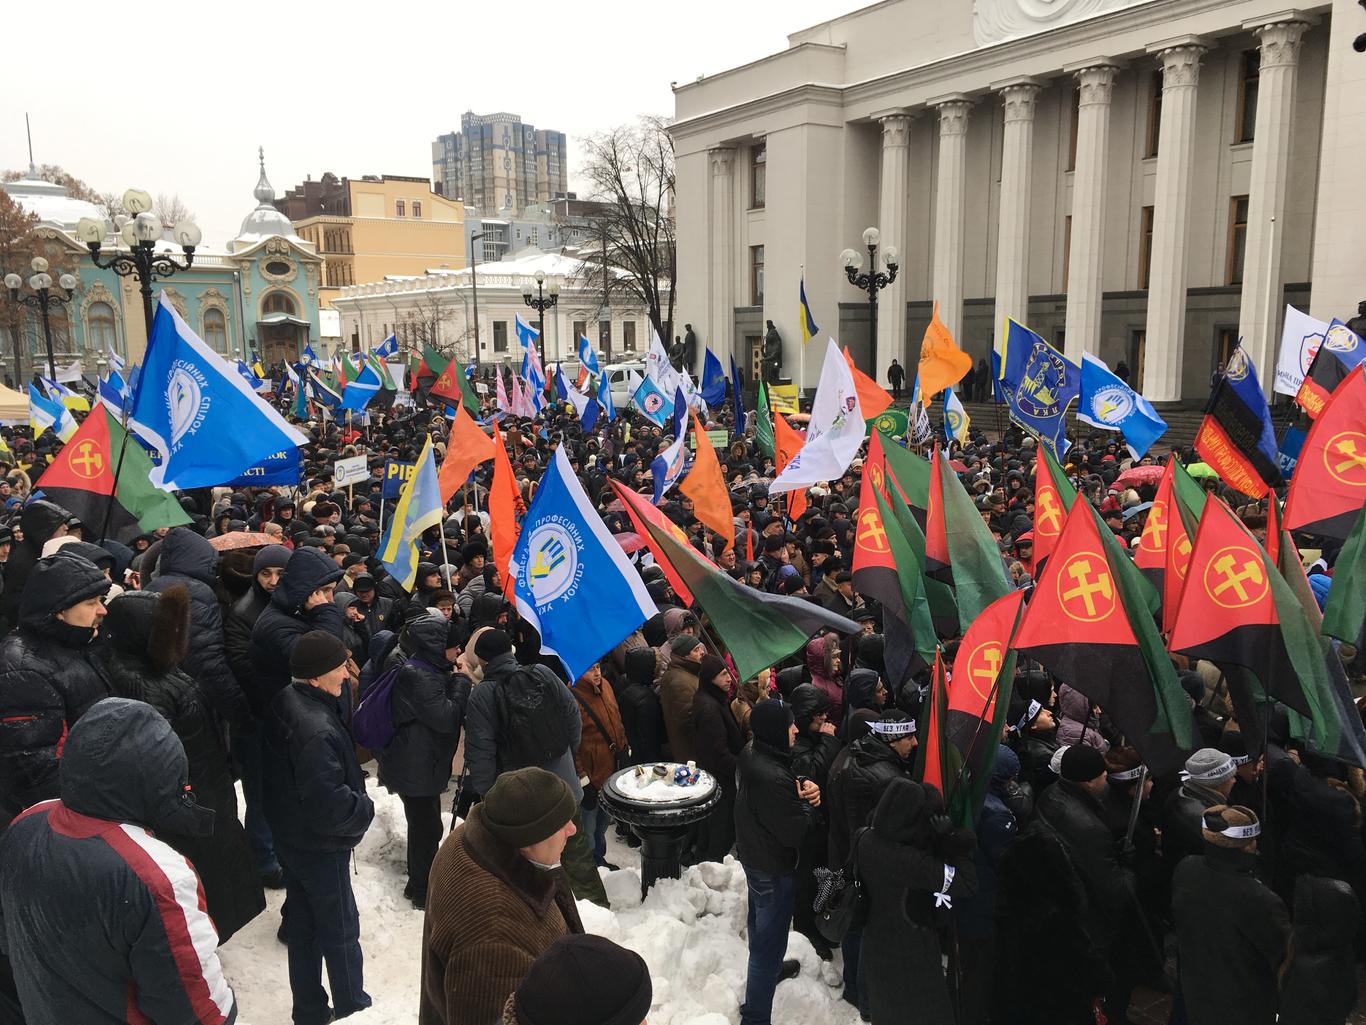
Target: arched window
(103,331)
(216,329)
(278,302)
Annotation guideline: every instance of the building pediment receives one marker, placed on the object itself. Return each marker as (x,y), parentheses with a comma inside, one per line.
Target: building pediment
(277,245)
(995,21)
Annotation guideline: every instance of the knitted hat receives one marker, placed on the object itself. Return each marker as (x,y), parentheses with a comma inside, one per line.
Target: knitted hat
(1230,826)
(491,644)
(710,668)
(526,806)
(584,980)
(270,557)
(316,654)
(1082,764)
(1209,766)
(769,722)
(681,645)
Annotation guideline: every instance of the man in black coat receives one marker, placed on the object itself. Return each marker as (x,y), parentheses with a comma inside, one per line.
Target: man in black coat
(40,522)
(1231,930)
(318,812)
(1207,781)
(813,752)
(773,814)
(302,602)
(717,743)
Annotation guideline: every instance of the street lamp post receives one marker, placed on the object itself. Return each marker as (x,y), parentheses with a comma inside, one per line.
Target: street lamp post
(44,300)
(872,283)
(140,232)
(474,292)
(540,304)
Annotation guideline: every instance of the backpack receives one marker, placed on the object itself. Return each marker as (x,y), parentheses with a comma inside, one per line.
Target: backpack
(531,727)
(372,723)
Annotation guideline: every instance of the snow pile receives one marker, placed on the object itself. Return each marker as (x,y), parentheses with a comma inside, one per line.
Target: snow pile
(690,932)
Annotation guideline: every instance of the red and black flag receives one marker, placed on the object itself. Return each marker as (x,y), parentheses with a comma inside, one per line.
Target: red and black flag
(1164,548)
(1088,625)
(1329,485)
(936,535)
(1236,437)
(1337,356)
(1053,498)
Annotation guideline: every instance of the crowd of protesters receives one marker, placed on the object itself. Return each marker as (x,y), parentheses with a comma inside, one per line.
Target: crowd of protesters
(139,679)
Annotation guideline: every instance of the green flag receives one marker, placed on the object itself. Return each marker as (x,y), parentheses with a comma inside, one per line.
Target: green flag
(1346,607)
(911,473)
(901,528)
(979,573)
(763,424)
(434,360)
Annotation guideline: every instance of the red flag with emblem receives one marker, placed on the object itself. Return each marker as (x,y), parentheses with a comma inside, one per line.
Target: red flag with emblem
(643,511)
(1329,486)
(936,534)
(875,568)
(1053,496)
(1175,566)
(1086,624)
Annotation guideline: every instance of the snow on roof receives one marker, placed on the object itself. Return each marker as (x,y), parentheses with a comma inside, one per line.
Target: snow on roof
(51,202)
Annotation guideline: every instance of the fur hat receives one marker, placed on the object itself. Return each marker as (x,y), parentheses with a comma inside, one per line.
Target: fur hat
(1230,826)
(151,626)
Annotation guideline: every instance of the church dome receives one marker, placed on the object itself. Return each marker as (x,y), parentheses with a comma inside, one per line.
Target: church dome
(265,220)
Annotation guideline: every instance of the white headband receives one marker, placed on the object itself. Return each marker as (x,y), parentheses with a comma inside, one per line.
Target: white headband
(1128,774)
(1030,713)
(1242,832)
(893,730)
(1240,759)
(1213,774)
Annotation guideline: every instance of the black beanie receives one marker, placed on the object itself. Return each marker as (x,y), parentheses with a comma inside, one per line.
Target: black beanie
(491,644)
(769,722)
(316,654)
(584,980)
(270,557)
(526,806)
(1081,764)
(710,668)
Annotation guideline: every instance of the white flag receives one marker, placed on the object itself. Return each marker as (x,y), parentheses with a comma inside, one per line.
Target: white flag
(835,432)
(68,374)
(1300,339)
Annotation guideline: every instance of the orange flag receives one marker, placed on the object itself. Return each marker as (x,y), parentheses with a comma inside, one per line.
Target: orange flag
(466,448)
(504,503)
(872,397)
(787,442)
(707,488)
(942,363)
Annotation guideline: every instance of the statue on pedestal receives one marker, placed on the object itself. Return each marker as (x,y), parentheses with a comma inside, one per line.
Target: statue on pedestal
(772,354)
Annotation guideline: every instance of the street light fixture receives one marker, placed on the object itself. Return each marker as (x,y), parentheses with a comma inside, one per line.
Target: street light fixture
(540,304)
(42,299)
(872,283)
(474,292)
(140,232)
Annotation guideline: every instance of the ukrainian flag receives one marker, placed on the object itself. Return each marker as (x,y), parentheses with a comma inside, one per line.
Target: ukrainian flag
(419,507)
(809,327)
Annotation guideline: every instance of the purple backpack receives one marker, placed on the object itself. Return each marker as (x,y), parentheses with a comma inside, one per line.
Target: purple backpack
(372,723)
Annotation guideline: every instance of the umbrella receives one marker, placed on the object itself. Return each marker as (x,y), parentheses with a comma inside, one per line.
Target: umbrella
(1202,470)
(629,541)
(241,539)
(1134,510)
(1136,475)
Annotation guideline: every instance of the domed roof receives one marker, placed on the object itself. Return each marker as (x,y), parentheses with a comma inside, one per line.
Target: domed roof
(265,220)
(53,203)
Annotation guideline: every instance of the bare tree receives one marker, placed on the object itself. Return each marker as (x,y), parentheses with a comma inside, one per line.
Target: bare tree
(630,171)
(171,209)
(111,203)
(16,250)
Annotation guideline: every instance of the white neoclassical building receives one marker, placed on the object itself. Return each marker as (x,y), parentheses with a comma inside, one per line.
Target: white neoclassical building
(1148,180)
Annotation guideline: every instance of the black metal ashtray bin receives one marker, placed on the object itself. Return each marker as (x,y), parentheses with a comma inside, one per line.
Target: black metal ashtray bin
(660,812)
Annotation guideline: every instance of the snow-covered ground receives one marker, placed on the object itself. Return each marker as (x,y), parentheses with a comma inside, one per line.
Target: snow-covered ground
(690,932)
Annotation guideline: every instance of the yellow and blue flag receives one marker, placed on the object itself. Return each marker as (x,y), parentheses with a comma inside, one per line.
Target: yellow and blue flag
(45,413)
(955,418)
(1038,384)
(419,508)
(809,327)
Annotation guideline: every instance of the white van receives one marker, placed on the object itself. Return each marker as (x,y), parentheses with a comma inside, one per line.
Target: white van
(616,374)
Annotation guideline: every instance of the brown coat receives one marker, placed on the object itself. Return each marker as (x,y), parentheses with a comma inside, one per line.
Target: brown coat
(677,688)
(742,704)
(490,914)
(594,758)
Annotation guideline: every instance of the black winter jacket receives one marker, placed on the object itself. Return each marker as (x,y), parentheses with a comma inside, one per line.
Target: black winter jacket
(1231,934)
(641,712)
(315,797)
(1079,821)
(854,792)
(190,561)
(238,621)
(103,922)
(285,620)
(428,710)
(716,734)
(39,520)
(1182,815)
(1320,987)
(49,675)
(812,755)
(771,821)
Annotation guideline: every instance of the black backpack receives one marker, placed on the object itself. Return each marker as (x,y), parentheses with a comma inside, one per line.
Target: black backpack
(531,727)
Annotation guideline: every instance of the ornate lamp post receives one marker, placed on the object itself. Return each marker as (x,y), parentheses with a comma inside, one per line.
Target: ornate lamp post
(140,232)
(540,304)
(42,299)
(872,283)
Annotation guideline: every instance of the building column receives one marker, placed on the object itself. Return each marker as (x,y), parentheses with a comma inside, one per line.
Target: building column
(1095,83)
(1166,329)
(891,224)
(721,324)
(1263,297)
(1012,242)
(947,277)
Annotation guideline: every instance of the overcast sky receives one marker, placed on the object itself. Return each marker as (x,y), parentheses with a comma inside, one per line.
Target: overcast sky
(351,87)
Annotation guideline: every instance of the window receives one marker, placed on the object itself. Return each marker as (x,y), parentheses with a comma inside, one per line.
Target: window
(1248,82)
(628,335)
(103,334)
(1138,356)
(758,174)
(756,275)
(580,331)
(398,208)
(1225,341)
(278,302)
(1066,249)
(1154,115)
(216,330)
(604,336)
(1145,247)
(417,208)
(1072,133)
(1237,239)
(500,336)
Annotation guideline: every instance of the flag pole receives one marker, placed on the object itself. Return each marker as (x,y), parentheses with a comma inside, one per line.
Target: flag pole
(124,416)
